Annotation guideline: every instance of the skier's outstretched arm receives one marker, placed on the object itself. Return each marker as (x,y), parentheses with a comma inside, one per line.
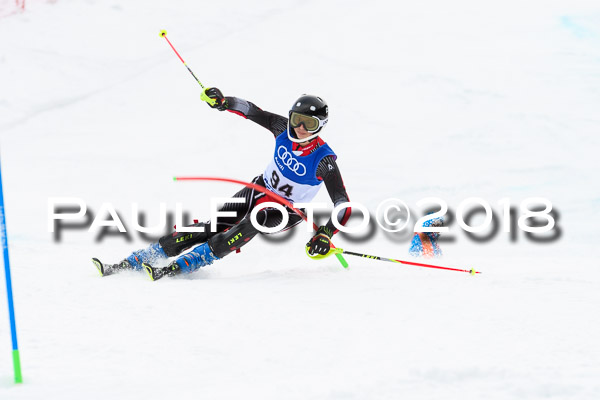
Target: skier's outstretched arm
(273,122)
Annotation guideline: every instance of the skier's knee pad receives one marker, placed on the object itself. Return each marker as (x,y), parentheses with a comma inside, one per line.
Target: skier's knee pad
(177,242)
(233,238)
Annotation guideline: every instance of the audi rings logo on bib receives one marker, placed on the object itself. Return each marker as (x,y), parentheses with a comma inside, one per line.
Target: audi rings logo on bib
(289,161)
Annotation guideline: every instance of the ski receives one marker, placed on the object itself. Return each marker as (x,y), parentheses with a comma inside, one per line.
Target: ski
(109,269)
(157,273)
(102,269)
(154,273)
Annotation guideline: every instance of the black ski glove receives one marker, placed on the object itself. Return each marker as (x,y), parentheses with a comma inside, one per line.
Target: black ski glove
(320,243)
(214,98)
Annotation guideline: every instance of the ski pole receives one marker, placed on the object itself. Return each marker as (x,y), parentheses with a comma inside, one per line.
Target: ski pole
(338,250)
(270,194)
(163,33)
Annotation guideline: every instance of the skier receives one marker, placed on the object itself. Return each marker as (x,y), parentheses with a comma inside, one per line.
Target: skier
(301,162)
(425,244)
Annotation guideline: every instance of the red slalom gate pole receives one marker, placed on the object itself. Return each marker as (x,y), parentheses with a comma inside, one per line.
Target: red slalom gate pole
(262,189)
(266,191)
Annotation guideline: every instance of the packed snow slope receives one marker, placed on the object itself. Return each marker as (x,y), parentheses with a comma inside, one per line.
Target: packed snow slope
(427,99)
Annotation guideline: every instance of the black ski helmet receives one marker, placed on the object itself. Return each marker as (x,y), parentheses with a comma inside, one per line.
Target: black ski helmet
(312,106)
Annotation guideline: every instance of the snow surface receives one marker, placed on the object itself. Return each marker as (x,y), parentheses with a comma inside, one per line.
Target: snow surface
(449,99)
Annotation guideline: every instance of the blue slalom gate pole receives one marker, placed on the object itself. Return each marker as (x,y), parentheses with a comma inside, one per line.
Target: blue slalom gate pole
(11,306)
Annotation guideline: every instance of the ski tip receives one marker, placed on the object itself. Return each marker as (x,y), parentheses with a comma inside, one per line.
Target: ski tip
(148,270)
(99,266)
(151,272)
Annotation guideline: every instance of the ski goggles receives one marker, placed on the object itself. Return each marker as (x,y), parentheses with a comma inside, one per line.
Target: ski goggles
(311,124)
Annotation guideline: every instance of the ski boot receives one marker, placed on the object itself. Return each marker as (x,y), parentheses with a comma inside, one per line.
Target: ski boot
(200,256)
(148,255)
(109,269)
